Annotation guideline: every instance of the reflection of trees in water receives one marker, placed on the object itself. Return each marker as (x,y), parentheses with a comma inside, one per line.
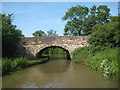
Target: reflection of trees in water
(57,57)
(55,66)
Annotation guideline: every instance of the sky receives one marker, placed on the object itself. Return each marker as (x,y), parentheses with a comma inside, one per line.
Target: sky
(32,16)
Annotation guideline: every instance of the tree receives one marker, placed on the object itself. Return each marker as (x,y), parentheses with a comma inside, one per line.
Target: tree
(107,34)
(90,21)
(82,19)
(52,33)
(10,36)
(103,14)
(75,16)
(39,33)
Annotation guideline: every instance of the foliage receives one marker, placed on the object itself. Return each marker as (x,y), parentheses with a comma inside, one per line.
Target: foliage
(19,63)
(81,19)
(106,34)
(54,50)
(103,14)
(39,33)
(9,65)
(114,18)
(10,36)
(52,33)
(42,33)
(86,51)
(98,58)
(105,62)
(6,65)
(76,16)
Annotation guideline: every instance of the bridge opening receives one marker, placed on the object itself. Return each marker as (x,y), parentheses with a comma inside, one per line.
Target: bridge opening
(54,52)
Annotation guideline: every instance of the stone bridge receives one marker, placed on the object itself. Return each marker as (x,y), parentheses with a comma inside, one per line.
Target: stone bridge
(35,45)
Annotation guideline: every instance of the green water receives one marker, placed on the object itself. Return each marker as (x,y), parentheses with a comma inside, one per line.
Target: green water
(58,73)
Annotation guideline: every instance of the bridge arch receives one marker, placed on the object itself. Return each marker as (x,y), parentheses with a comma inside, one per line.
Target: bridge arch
(39,54)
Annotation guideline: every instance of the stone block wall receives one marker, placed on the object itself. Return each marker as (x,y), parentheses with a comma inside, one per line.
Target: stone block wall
(34,44)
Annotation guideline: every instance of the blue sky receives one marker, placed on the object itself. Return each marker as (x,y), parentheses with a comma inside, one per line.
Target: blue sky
(32,16)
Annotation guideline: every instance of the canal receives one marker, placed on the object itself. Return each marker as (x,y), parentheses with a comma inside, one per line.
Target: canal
(58,73)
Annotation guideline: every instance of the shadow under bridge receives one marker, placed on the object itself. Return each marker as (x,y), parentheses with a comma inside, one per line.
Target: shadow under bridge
(46,51)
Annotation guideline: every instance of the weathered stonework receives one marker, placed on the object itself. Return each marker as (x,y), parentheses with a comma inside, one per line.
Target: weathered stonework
(35,44)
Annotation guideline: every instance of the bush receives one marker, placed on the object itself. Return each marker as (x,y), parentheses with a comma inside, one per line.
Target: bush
(105,35)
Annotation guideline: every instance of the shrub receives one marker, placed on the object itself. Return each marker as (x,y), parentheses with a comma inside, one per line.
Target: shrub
(106,34)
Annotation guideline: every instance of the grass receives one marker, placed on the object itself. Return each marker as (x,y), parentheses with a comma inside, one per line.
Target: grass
(99,58)
(36,60)
(10,65)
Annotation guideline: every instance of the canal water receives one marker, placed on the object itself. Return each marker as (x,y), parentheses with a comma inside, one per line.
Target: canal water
(58,74)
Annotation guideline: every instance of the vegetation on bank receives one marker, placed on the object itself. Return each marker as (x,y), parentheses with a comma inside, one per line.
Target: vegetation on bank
(99,58)
(37,60)
(102,52)
(10,65)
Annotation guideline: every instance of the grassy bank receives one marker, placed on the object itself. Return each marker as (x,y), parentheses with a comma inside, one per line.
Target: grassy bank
(10,65)
(99,58)
(37,60)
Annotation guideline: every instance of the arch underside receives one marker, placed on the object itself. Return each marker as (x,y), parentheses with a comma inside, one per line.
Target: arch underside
(39,54)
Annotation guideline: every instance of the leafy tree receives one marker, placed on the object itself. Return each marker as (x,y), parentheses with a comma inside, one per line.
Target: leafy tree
(90,21)
(52,33)
(103,14)
(76,16)
(39,33)
(82,19)
(98,14)
(114,18)
(107,34)
(10,36)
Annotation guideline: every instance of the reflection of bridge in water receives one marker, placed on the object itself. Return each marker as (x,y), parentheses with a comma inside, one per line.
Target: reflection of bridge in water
(36,45)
